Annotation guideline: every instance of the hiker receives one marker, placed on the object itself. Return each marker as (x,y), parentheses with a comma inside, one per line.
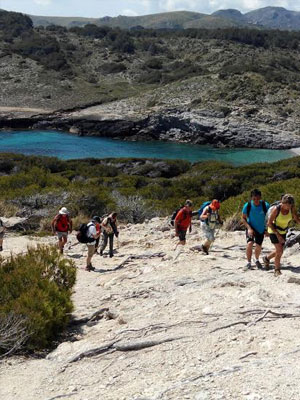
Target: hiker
(109,227)
(253,217)
(2,231)
(92,235)
(182,223)
(278,223)
(61,226)
(210,220)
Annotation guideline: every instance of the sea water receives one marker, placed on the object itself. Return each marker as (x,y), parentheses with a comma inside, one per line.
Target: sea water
(66,146)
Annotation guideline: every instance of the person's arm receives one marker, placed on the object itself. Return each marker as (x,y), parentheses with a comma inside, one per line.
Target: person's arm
(177,221)
(271,225)
(70,225)
(113,224)
(205,213)
(53,224)
(246,224)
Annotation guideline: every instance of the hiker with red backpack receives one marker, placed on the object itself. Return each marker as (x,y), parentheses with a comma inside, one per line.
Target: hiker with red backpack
(61,226)
(210,220)
(253,217)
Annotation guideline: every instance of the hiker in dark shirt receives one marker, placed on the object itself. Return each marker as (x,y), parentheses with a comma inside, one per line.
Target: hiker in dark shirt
(109,228)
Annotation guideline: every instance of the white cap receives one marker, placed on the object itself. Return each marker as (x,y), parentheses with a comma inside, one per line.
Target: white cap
(63,211)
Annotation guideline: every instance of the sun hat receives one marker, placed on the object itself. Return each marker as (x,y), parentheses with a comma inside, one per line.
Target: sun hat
(63,211)
(215,204)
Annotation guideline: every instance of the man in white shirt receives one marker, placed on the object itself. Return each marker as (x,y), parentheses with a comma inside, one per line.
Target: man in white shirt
(92,233)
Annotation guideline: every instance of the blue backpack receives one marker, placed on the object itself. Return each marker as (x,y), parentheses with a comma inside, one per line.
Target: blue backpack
(200,211)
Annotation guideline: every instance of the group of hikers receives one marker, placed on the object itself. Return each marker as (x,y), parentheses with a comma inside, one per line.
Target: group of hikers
(89,233)
(259,218)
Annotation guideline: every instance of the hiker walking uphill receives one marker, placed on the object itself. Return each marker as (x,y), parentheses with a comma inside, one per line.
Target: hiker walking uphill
(2,231)
(253,217)
(61,226)
(182,223)
(91,237)
(210,220)
(278,222)
(109,227)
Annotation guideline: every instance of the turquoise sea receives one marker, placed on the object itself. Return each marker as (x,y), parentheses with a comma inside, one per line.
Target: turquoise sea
(67,146)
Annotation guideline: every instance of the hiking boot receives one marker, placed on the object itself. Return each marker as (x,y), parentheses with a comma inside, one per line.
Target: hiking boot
(111,255)
(266,263)
(277,272)
(247,266)
(90,268)
(204,249)
(258,264)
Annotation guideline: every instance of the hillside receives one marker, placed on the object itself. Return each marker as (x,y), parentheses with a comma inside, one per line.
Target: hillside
(267,17)
(197,327)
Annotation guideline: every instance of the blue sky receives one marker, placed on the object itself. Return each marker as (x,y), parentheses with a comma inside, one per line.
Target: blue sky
(100,8)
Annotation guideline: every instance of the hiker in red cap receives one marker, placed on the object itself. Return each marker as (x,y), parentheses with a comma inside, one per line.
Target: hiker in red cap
(210,219)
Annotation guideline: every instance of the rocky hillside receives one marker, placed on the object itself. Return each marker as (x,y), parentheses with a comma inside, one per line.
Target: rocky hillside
(154,83)
(149,327)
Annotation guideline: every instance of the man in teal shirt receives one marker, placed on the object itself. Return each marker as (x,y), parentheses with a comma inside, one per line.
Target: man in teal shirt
(253,217)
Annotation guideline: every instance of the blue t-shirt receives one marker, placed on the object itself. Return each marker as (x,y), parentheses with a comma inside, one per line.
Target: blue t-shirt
(257,216)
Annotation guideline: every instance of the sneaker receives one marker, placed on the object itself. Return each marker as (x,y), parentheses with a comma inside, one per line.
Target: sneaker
(266,263)
(277,272)
(258,264)
(204,249)
(247,266)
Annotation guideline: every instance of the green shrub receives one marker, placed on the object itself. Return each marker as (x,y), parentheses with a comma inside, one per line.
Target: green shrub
(37,286)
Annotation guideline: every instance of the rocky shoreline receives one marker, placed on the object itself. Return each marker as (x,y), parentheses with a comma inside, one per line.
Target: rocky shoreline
(204,127)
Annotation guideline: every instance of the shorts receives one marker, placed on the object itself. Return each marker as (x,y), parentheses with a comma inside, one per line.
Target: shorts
(1,235)
(209,233)
(274,238)
(60,235)
(182,235)
(258,237)
(91,249)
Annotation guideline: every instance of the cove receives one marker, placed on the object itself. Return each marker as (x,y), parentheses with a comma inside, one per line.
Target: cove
(66,146)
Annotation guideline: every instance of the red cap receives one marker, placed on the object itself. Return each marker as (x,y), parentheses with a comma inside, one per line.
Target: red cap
(215,205)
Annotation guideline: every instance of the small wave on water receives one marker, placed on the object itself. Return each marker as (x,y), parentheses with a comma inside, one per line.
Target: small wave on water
(66,146)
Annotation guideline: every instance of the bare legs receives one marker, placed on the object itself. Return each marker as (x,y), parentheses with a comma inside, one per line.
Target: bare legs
(249,251)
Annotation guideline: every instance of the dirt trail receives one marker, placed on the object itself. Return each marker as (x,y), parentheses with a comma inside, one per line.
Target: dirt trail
(209,316)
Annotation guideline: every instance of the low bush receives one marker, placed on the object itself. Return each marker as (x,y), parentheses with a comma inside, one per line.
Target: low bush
(35,292)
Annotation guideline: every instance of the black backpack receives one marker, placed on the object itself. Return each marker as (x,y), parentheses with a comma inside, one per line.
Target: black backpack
(172,221)
(82,235)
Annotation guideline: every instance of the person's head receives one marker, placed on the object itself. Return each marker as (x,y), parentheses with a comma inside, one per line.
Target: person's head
(188,204)
(114,215)
(63,211)
(96,219)
(215,205)
(256,196)
(287,201)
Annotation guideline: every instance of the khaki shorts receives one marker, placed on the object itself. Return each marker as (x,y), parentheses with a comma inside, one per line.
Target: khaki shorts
(91,249)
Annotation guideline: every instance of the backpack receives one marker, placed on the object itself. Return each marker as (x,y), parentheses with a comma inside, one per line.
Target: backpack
(62,223)
(201,209)
(174,215)
(264,206)
(82,235)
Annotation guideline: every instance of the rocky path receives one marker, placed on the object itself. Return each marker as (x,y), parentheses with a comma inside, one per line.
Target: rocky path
(195,328)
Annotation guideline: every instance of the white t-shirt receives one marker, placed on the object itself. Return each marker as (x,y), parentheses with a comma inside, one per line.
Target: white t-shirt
(91,232)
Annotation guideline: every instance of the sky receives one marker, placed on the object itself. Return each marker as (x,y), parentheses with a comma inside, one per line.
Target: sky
(101,8)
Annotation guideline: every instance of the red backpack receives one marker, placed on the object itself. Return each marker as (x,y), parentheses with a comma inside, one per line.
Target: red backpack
(62,223)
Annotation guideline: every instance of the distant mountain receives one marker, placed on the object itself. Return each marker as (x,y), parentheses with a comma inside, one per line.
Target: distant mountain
(268,17)
(275,18)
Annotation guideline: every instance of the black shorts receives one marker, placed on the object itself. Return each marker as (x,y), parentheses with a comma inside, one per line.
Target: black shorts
(181,235)
(258,238)
(274,238)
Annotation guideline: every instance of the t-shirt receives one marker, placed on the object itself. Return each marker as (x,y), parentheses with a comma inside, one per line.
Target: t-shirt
(91,232)
(183,219)
(257,216)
